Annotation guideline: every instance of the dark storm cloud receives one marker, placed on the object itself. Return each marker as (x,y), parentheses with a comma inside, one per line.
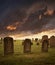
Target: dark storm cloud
(26,13)
(35,25)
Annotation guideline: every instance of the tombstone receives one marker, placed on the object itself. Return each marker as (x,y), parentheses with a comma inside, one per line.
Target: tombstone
(45,43)
(27,45)
(8,46)
(52,41)
(45,37)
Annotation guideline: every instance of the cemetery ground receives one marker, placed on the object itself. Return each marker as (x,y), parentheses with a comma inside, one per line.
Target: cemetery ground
(36,57)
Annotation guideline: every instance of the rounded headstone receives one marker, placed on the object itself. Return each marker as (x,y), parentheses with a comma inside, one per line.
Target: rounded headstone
(52,41)
(8,46)
(27,45)
(45,43)
(45,37)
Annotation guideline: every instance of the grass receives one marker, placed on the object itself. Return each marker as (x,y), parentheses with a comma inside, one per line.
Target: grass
(36,57)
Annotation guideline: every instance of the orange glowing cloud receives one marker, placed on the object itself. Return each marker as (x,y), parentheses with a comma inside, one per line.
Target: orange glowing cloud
(11,27)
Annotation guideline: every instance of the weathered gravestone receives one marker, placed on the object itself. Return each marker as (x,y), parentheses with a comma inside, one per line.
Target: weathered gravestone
(45,43)
(27,45)
(52,41)
(8,46)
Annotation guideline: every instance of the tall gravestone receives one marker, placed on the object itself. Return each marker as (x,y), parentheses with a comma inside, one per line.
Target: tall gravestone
(52,41)
(27,45)
(45,43)
(8,46)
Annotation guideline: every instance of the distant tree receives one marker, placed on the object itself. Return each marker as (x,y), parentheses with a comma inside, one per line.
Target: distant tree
(36,39)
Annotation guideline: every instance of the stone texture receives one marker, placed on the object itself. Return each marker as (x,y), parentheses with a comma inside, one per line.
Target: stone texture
(27,45)
(45,43)
(8,46)
(52,41)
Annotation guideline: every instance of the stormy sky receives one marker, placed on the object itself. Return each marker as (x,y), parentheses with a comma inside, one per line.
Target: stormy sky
(32,16)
